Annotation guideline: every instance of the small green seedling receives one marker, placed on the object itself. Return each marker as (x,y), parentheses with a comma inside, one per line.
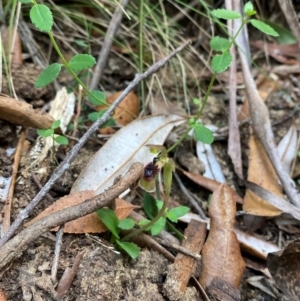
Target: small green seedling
(62,140)
(114,225)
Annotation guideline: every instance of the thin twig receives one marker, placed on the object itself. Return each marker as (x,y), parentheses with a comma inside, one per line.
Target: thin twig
(59,236)
(65,164)
(109,37)
(9,200)
(189,197)
(16,246)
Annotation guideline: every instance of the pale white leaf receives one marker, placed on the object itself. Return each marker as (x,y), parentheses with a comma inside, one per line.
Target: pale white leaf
(123,149)
(62,108)
(213,169)
(287,148)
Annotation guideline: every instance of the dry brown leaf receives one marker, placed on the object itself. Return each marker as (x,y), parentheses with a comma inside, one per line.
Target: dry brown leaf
(86,224)
(127,111)
(21,113)
(159,106)
(221,256)
(209,184)
(261,172)
(265,87)
(279,52)
(254,245)
(284,267)
(2,296)
(16,53)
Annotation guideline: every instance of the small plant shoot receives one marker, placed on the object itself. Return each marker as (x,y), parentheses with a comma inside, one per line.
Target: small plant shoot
(114,225)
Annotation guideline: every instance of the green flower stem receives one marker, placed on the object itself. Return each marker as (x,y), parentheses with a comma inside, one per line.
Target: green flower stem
(65,63)
(178,234)
(244,22)
(198,115)
(150,224)
(160,213)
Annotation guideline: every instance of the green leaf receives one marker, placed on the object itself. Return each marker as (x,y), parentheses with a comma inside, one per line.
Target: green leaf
(144,222)
(285,35)
(177,212)
(149,205)
(249,9)
(41,17)
(219,44)
(130,248)
(225,14)
(110,220)
(82,61)
(203,134)
(48,75)
(196,101)
(55,124)
(81,43)
(126,224)
(221,62)
(45,133)
(263,27)
(96,115)
(158,226)
(159,204)
(97,98)
(26,1)
(62,140)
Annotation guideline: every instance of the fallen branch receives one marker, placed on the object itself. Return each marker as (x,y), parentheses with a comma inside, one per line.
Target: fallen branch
(65,164)
(17,245)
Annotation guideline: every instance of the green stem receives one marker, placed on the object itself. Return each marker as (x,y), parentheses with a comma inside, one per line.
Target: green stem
(244,21)
(150,224)
(155,219)
(65,63)
(198,115)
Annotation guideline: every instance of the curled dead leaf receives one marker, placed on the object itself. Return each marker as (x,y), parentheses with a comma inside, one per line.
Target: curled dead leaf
(127,111)
(221,256)
(261,172)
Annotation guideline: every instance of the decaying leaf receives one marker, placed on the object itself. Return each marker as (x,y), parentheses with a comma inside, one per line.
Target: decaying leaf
(284,267)
(261,172)
(86,224)
(287,148)
(16,50)
(209,184)
(221,256)
(265,87)
(21,113)
(213,169)
(127,111)
(124,148)
(254,245)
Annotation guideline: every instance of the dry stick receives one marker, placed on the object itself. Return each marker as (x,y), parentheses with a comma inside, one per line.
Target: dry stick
(262,126)
(16,246)
(65,164)
(59,236)
(234,141)
(291,17)
(189,197)
(110,34)
(9,200)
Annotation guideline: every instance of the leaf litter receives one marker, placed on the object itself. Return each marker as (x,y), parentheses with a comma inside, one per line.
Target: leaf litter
(91,255)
